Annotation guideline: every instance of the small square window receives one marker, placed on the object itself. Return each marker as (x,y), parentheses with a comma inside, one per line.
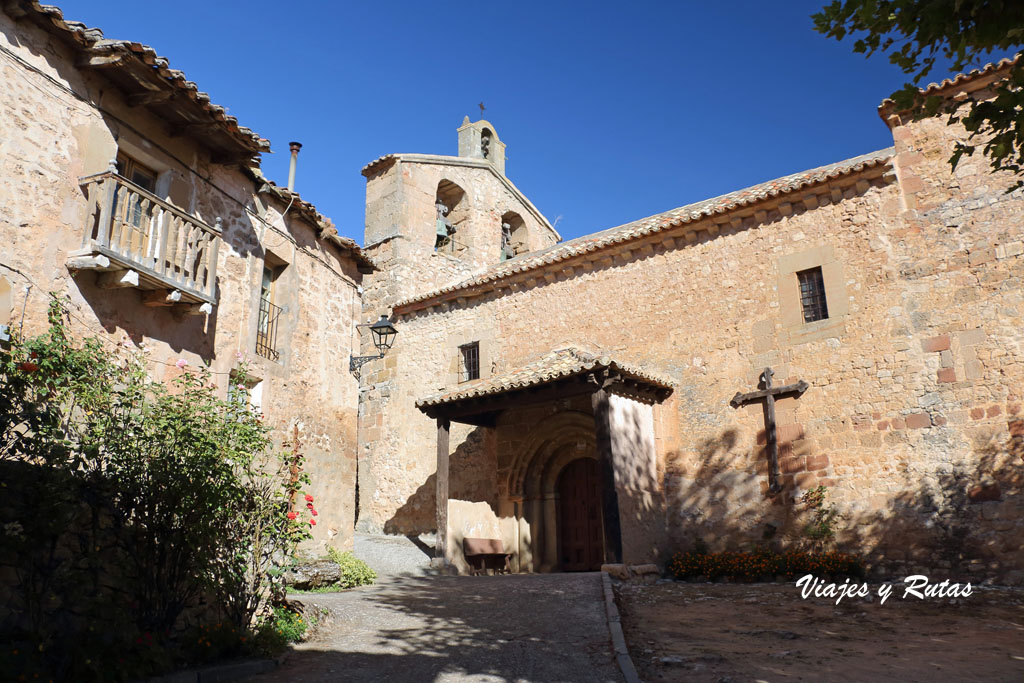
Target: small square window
(812,295)
(469,362)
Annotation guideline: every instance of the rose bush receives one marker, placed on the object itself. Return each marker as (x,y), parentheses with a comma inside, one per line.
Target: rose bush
(131,508)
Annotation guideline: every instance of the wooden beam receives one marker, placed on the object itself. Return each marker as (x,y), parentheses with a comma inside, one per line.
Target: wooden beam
(14,9)
(205,308)
(194,128)
(116,279)
(469,411)
(609,495)
(443,428)
(88,262)
(100,60)
(146,98)
(162,297)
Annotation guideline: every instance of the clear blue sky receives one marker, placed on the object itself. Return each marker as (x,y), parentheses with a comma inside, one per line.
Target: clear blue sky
(611,112)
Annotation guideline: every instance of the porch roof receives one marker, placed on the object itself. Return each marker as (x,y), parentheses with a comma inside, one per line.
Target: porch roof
(560,373)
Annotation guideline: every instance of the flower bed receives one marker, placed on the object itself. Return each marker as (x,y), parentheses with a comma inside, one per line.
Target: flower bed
(763,565)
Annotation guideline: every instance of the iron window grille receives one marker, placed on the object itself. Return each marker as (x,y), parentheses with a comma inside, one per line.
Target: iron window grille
(469,362)
(266,330)
(812,295)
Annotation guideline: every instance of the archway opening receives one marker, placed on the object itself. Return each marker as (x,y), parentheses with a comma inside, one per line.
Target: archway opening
(513,235)
(451,214)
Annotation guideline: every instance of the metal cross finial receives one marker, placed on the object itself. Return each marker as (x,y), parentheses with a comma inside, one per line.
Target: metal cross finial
(482,107)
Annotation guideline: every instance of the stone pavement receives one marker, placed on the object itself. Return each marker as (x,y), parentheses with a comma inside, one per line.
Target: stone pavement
(391,556)
(515,628)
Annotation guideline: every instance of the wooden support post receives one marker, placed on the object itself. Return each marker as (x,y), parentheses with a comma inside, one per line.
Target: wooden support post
(116,279)
(443,427)
(609,495)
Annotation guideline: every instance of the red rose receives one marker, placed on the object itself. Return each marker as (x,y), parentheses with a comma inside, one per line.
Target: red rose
(313,511)
(28,366)
(292,515)
(312,522)
(309,498)
(309,505)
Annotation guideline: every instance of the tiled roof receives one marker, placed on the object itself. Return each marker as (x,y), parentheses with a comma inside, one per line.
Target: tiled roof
(553,366)
(310,213)
(379,162)
(662,221)
(91,40)
(960,80)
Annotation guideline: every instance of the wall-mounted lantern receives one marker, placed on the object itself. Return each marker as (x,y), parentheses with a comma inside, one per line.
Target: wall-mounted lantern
(383,337)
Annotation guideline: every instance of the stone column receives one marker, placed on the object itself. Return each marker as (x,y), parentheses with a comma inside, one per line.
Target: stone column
(550,532)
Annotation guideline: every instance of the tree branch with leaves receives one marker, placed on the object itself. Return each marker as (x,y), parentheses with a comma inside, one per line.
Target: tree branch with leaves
(922,36)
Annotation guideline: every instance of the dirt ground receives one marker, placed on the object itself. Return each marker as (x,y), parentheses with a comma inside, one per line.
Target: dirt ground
(766,632)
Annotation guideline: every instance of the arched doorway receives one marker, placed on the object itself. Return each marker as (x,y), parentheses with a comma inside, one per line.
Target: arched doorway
(581,535)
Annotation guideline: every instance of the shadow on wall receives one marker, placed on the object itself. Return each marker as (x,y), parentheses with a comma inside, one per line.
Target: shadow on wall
(472,473)
(641,495)
(964,518)
(122,311)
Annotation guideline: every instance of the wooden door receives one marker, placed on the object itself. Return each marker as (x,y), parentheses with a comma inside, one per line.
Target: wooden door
(581,537)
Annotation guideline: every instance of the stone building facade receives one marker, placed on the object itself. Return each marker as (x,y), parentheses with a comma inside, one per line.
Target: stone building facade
(128,192)
(887,283)
(572,399)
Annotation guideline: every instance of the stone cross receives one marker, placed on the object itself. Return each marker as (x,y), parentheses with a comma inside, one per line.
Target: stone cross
(768,394)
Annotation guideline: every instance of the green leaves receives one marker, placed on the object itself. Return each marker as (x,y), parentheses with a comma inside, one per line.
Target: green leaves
(137,498)
(965,33)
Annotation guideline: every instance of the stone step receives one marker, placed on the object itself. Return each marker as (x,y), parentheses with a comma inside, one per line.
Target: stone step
(396,555)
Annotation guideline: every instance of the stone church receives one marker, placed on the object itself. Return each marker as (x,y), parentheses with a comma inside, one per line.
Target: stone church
(682,379)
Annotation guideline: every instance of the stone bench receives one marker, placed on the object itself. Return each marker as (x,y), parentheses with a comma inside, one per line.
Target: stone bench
(486,553)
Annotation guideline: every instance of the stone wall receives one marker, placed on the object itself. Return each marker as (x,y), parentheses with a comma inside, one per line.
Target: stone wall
(394,492)
(914,379)
(58,131)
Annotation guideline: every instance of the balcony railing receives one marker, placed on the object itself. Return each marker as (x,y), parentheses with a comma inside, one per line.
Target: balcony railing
(266,330)
(148,243)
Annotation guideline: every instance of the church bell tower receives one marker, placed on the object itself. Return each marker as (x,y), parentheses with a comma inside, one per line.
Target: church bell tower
(477,140)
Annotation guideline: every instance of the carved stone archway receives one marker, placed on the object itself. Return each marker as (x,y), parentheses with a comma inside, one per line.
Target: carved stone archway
(559,440)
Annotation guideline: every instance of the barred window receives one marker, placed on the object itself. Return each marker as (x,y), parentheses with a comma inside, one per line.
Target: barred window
(812,295)
(469,362)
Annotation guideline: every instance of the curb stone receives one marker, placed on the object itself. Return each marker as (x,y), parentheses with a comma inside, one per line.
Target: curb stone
(220,673)
(615,628)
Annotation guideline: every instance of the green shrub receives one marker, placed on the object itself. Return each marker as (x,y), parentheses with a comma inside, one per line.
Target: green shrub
(821,529)
(354,572)
(289,623)
(132,510)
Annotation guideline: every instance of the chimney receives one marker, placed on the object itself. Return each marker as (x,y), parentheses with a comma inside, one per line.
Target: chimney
(294,147)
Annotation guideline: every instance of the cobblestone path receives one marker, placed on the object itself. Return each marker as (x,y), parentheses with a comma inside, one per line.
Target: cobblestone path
(518,628)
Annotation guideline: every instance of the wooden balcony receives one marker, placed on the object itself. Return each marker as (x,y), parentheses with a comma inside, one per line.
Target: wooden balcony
(139,240)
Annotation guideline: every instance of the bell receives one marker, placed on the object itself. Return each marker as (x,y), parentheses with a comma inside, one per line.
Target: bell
(442,228)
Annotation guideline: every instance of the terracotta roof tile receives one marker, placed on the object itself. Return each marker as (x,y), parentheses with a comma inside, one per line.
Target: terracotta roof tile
(92,40)
(662,221)
(960,80)
(553,366)
(309,212)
